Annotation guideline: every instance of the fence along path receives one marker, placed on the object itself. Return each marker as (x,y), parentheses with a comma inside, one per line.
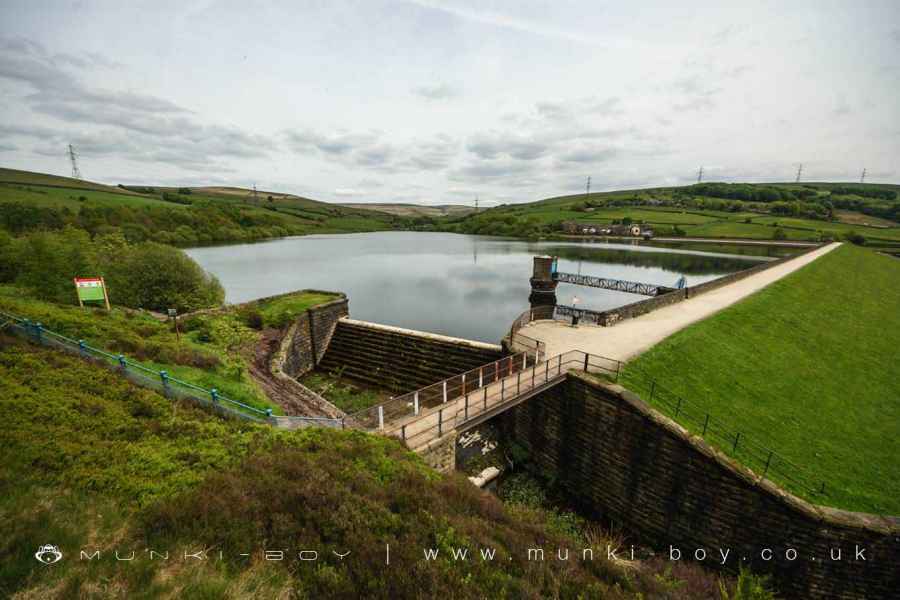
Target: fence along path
(466,400)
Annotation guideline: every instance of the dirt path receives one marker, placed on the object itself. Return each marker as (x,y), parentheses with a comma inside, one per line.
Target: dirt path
(634,336)
(286,393)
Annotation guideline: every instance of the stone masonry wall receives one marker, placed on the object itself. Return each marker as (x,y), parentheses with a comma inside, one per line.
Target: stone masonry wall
(621,459)
(402,360)
(440,454)
(306,341)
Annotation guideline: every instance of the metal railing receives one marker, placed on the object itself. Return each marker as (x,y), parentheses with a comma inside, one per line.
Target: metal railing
(160,381)
(419,401)
(619,285)
(520,341)
(759,458)
(422,416)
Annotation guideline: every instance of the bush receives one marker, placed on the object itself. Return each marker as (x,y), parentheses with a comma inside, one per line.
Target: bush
(252,318)
(779,234)
(855,238)
(145,275)
(158,277)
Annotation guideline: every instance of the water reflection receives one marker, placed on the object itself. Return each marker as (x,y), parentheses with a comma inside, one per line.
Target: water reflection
(460,285)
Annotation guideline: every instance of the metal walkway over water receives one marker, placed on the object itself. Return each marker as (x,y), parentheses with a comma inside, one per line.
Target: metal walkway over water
(619,285)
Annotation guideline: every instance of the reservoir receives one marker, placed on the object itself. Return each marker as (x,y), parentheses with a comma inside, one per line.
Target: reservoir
(459,285)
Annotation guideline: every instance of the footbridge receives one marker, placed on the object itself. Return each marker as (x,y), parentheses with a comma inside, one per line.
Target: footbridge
(427,415)
(606,283)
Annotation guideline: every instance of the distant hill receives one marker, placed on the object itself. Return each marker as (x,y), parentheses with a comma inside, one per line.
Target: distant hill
(57,181)
(415,210)
(172,215)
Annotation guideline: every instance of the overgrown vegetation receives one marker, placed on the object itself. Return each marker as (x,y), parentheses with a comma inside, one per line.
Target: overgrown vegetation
(808,366)
(142,275)
(347,396)
(93,463)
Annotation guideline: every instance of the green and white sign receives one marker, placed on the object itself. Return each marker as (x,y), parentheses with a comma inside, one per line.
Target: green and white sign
(91,289)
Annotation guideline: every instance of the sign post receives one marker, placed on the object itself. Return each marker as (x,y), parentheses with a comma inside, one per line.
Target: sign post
(173,313)
(91,289)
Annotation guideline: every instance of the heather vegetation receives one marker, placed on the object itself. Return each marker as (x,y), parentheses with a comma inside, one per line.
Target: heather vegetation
(214,349)
(92,462)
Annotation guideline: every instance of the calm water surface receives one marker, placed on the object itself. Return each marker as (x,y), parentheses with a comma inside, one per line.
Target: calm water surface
(460,285)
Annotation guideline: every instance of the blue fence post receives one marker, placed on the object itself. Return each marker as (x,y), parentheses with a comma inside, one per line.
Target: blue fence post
(165,382)
(268,413)
(214,393)
(82,347)
(122,362)
(39,332)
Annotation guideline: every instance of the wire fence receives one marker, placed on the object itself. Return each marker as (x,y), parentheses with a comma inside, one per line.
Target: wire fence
(761,459)
(160,381)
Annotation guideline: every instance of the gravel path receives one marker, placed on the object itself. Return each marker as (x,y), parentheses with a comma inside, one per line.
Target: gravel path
(633,336)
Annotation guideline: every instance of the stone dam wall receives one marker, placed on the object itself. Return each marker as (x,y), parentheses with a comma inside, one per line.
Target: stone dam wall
(401,360)
(622,460)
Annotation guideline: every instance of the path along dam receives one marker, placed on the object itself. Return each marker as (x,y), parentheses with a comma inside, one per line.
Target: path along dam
(555,393)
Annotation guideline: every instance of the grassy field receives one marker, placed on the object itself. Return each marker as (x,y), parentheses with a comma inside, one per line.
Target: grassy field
(74,199)
(808,367)
(213,351)
(91,462)
(177,216)
(698,215)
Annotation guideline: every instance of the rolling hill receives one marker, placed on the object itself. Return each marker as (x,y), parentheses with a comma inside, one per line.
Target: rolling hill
(181,216)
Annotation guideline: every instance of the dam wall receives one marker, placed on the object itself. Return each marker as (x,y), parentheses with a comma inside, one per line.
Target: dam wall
(401,360)
(621,460)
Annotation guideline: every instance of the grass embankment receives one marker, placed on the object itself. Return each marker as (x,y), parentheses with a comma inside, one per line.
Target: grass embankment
(94,463)
(214,349)
(809,367)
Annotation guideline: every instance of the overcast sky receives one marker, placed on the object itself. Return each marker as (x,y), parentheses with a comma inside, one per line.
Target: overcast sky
(437,102)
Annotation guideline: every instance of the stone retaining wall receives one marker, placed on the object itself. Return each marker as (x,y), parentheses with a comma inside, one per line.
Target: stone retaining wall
(622,460)
(307,339)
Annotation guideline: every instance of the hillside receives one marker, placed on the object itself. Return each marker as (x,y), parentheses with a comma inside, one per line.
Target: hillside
(178,216)
(43,179)
(807,367)
(808,211)
(92,463)
(416,210)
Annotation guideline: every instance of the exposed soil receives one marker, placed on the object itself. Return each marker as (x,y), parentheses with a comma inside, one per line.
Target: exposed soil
(287,394)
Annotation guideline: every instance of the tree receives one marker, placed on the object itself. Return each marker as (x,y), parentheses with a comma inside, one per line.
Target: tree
(779,234)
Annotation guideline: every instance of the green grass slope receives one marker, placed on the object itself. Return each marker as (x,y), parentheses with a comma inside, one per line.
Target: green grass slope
(698,212)
(179,216)
(91,462)
(214,350)
(44,179)
(808,366)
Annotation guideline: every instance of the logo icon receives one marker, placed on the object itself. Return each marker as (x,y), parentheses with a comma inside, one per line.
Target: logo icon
(48,554)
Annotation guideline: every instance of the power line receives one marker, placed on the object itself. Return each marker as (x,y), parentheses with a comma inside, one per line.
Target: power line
(76,174)
(476,203)
(799,172)
(588,188)
(862,178)
(700,175)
